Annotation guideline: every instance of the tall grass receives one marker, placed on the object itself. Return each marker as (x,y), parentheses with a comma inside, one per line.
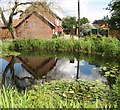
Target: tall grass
(102,45)
(60,94)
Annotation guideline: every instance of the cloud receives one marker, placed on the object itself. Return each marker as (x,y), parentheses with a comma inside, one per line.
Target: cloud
(91,9)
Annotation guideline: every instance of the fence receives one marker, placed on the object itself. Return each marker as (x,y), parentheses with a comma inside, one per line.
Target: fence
(114,33)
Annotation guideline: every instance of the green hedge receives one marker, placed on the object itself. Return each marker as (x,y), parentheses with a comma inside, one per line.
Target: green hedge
(100,45)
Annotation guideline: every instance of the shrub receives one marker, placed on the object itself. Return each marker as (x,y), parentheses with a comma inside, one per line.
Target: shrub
(102,45)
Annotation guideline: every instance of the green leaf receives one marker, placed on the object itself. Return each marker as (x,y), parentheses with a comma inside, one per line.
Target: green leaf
(107,73)
(105,68)
(71,92)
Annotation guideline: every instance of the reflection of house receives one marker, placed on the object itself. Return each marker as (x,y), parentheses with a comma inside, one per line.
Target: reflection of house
(36,21)
(26,70)
(36,66)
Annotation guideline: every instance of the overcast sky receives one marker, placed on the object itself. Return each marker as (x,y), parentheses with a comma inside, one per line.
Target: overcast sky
(92,9)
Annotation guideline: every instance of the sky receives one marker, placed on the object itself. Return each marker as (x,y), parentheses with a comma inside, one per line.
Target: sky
(91,9)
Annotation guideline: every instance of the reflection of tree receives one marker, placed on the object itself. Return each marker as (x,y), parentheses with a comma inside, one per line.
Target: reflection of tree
(10,67)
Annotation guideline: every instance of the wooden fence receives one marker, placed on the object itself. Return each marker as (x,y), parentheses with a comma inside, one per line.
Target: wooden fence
(114,33)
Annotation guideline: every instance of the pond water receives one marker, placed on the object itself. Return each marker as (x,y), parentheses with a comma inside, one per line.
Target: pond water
(25,70)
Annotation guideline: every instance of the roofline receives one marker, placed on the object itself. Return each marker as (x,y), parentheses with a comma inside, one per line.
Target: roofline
(48,9)
(39,15)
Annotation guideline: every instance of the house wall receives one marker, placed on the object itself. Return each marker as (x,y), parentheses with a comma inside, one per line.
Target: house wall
(4,33)
(34,27)
(49,15)
(58,30)
(0,33)
(45,12)
(58,27)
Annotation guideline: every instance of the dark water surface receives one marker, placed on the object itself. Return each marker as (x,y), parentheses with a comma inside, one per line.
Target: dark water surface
(25,70)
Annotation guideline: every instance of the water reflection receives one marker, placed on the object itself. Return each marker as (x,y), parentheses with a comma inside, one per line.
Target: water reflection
(23,71)
(78,69)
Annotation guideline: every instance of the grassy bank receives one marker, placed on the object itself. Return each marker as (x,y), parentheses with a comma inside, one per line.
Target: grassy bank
(92,45)
(5,49)
(62,94)
(59,94)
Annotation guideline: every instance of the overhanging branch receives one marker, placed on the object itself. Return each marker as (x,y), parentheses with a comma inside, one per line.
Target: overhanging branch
(19,11)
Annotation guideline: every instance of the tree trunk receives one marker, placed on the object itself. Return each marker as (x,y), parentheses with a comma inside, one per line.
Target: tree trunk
(9,25)
(12,31)
(9,66)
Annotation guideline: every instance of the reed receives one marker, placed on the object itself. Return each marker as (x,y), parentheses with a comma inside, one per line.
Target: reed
(92,45)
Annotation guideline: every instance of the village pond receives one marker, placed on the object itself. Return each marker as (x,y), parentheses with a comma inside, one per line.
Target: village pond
(26,70)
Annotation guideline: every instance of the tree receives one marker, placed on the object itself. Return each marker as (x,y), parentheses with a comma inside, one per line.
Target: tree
(15,10)
(69,23)
(84,20)
(86,29)
(114,7)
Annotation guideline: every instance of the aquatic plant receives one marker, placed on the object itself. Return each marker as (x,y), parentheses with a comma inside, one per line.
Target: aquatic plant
(58,94)
(110,72)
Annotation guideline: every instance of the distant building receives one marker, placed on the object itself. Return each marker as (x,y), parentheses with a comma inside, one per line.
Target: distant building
(36,21)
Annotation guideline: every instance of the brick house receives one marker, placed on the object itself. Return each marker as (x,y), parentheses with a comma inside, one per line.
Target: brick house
(36,21)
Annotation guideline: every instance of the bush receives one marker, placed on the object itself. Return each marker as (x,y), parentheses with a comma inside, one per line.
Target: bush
(102,45)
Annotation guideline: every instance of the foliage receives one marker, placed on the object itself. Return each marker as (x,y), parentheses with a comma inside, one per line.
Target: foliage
(54,36)
(84,20)
(69,23)
(86,29)
(110,72)
(92,45)
(114,7)
(103,31)
(58,94)
(115,93)
(5,49)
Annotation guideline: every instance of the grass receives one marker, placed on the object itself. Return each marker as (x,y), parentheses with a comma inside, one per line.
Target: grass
(5,51)
(58,94)
(92,45)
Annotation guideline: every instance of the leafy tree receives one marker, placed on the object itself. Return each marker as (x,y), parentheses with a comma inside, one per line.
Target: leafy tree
(84,20)
(69,23)
(86,29)
(114,7)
